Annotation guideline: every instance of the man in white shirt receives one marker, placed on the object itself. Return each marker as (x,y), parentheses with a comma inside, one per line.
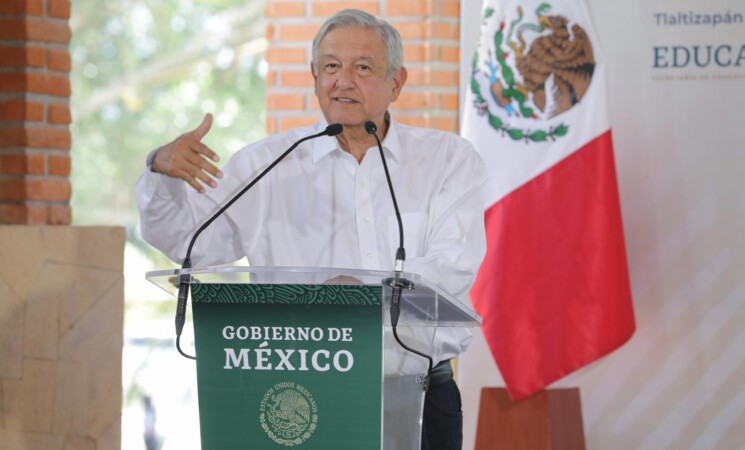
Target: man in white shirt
(327,203)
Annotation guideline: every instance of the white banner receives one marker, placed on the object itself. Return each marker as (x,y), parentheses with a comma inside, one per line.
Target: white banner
(676,84)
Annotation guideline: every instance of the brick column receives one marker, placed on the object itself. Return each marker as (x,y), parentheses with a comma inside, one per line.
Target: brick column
(429,29)
(34,112)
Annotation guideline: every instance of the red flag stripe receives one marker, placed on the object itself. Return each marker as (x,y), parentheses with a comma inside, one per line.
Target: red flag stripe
(554,287)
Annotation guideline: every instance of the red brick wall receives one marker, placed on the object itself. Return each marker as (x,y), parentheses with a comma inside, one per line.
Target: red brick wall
(429,29)
(34,112)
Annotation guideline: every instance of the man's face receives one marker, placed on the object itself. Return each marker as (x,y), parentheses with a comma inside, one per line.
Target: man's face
(351,82)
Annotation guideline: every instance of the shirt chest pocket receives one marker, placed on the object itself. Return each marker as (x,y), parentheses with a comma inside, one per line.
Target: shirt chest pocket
(415,232)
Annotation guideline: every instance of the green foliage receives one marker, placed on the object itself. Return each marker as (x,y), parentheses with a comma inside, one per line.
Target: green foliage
(495,122)
(538,136)
(515,133)
(476,89)
(561,130)
(145,72)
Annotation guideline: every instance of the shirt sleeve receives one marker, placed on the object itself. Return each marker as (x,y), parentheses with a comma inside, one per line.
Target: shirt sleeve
(454,249)
(456,241)
(171,212)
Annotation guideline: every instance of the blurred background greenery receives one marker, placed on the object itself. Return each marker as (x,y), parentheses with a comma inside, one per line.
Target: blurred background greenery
(144,72)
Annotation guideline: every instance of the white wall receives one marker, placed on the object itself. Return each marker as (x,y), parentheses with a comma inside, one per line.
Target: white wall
(680,154)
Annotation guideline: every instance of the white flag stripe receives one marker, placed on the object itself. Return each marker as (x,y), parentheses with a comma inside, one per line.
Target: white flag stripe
(513,165)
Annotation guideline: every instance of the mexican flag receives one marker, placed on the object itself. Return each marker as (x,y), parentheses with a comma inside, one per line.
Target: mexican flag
(554,288)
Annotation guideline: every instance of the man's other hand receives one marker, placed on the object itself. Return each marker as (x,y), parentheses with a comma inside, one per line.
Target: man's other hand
(188,158)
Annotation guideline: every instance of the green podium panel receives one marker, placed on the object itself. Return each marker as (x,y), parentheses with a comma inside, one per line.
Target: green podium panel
(289,365)
(305,357)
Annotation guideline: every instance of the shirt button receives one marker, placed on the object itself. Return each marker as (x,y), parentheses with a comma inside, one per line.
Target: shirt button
(367,220)
(369,254)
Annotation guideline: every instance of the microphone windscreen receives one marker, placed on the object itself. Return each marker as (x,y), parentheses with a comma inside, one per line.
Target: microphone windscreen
(370,127)
(334,129)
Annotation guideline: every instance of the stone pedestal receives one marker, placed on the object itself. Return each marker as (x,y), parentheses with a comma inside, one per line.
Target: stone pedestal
(61,321)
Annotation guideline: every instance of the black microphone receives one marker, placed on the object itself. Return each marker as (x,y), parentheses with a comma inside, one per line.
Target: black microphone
(185,279)
(398,265)
(398,282)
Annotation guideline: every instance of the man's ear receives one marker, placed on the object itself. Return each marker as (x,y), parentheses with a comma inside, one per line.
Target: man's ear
(399,79)
(315,77)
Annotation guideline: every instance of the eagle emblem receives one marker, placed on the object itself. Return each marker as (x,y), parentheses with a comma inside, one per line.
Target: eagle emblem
(288,414)
(531,72)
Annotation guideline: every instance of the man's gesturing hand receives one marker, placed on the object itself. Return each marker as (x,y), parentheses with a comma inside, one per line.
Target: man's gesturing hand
(186,158)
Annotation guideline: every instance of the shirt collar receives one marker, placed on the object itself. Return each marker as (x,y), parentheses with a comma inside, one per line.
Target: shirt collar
(324,145)
(327,144)
(391,144)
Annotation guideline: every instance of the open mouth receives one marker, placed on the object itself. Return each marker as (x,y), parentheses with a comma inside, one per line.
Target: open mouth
(345,100)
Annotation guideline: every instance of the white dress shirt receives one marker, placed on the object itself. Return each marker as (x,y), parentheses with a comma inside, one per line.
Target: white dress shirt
(319,207)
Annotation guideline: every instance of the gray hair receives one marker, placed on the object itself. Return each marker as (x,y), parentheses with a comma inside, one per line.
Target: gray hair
(354,18)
